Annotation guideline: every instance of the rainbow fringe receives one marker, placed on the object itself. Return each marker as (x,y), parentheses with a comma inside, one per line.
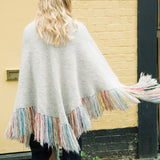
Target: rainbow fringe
(48,129)
(147,89)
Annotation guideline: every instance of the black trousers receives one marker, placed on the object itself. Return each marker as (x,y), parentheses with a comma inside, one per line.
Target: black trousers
(43,153)
(72,155)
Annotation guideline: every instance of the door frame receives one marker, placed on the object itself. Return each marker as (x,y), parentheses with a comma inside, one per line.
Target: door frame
(147,63)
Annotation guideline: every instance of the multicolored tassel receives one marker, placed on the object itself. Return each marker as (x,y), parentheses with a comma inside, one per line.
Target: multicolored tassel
(48,129)
(147,89)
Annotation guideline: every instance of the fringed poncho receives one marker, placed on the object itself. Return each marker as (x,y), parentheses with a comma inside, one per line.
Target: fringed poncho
(61,89)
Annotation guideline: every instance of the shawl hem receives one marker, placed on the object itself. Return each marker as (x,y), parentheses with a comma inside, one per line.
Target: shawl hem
(50,130)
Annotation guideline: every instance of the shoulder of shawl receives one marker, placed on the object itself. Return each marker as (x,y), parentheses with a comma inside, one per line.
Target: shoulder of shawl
(28,32)
(29,26)
(82,26)
(84,34)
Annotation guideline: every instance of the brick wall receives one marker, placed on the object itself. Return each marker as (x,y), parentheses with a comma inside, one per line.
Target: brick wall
(111,144)
(113,26)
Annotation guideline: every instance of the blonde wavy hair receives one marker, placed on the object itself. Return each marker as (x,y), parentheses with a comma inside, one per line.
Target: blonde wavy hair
(52,21)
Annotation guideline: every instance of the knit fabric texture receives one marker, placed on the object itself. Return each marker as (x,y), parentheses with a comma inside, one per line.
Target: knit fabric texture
(61,89)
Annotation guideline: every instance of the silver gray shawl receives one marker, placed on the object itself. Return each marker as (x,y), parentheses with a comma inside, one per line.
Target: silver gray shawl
(61,89)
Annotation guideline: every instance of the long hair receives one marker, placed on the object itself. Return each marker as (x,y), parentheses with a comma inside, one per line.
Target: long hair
(52,21)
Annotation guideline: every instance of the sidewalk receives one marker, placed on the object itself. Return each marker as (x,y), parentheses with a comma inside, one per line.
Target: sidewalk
(158,158)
